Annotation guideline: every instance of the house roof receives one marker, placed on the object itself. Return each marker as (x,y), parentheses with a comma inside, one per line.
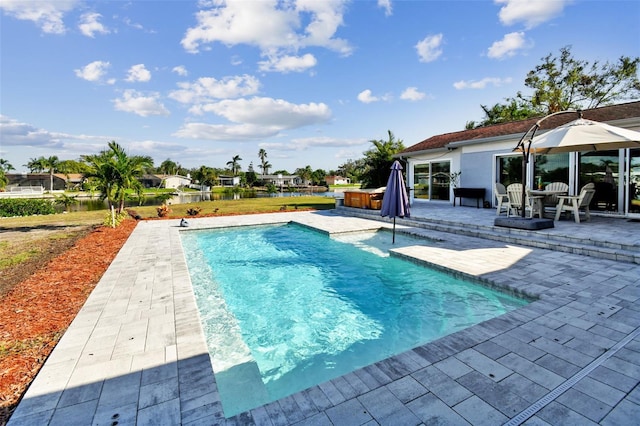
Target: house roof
(607,113)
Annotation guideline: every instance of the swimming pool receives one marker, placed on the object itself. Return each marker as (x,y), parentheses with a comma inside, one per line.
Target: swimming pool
(284,307)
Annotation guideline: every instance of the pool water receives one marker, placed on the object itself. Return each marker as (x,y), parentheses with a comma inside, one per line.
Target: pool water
(284,307)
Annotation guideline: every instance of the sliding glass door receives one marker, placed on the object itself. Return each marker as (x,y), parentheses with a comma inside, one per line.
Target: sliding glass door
(431,181)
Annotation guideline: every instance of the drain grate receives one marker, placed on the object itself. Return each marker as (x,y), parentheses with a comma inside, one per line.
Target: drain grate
(542,402)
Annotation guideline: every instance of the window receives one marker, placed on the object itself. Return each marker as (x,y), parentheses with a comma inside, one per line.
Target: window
(550,168)
(602,169)
(509,169)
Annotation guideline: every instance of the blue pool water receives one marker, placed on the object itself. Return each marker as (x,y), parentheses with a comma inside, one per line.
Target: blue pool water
(285,308)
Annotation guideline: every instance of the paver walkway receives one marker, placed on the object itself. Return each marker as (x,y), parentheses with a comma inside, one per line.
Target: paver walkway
(136,353)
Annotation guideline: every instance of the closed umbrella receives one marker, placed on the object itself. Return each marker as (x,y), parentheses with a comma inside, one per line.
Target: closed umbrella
(584,135)
(395,202)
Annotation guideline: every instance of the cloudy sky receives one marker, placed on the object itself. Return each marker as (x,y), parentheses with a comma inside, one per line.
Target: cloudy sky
(309,81)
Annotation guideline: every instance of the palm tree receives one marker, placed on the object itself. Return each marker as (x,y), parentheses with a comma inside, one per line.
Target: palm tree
(234,164)
(36,165)
(51,164)
(378,161)
(116,173)
(169,167)
(6,166)
(4,180)
(264,164)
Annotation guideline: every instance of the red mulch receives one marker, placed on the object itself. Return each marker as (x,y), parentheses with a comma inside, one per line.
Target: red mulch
(36,312)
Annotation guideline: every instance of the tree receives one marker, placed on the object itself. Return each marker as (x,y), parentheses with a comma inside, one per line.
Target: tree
(36,165)
(116,173)
(378,161)
(318,177)
(564,82)
(206,176)
(234,164)
(352,169)
(51,164)
(306,174)
(264,164)
(6,166)
(168,167)
(250,175)
(514,110)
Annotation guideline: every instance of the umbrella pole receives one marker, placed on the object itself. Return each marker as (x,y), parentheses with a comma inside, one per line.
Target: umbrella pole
(393,239)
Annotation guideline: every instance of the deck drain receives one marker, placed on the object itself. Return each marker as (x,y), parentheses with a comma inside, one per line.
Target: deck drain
(542,402)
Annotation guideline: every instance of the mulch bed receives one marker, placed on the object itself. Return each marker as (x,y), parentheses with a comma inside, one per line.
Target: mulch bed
(37,311)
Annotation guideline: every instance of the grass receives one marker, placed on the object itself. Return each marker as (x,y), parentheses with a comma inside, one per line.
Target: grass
(25,246)
(7,261)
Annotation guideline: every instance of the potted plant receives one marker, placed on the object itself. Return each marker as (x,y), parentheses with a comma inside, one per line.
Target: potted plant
(454,181)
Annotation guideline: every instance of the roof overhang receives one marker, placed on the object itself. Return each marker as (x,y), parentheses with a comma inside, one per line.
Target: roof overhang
(422,152)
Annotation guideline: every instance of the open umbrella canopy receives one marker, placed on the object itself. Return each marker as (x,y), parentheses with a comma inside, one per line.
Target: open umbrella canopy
(584,135)
(395,202)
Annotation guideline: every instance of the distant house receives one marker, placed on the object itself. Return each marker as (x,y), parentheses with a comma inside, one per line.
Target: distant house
(61,181)
(284,180)
(337,180)
(165,181)
(228,180)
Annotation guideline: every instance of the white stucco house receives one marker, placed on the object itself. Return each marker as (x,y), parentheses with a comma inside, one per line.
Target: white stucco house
(486,155)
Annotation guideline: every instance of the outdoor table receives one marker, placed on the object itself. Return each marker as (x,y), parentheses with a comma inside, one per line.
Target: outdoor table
(538,196)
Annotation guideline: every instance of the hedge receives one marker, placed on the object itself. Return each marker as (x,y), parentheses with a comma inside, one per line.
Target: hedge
(10,207)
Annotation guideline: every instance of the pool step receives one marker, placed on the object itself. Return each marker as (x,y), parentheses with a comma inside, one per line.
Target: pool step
(562,243)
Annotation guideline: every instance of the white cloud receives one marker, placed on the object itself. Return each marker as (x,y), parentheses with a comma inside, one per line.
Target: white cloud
(288,63)
(17,133)
(509,45)
(530,12)
(412,94)
(386,5)
(255,118)
(275,27)
(180,70)
(481,84)
(46,15)
(138,73)
(429,49)
(270,112)
(95,71)
(366,97)
(89,25)
(207,89)
(225,132)
(303,144)
(137,103)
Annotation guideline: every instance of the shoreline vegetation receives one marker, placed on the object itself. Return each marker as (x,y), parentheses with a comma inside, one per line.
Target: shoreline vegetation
(49,264)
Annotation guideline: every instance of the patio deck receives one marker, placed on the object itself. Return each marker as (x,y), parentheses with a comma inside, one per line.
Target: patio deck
(136,354)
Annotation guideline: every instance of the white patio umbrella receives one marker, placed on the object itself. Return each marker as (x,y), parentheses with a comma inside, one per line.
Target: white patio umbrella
(584,135)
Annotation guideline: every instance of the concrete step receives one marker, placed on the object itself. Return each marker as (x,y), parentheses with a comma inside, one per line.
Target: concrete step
(558,242)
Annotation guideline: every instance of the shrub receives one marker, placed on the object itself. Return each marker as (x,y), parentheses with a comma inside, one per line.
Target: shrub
(10,207)
(194,211)
(119,217)
(163,210)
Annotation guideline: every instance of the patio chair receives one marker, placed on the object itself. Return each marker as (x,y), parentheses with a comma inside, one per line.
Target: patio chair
(574,203)
(514,192)
(551,200)
(502,198)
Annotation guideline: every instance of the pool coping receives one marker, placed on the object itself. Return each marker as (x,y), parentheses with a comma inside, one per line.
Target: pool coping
(140,331)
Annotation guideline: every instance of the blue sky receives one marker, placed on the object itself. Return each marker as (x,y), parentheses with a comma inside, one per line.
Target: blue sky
(309,81)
